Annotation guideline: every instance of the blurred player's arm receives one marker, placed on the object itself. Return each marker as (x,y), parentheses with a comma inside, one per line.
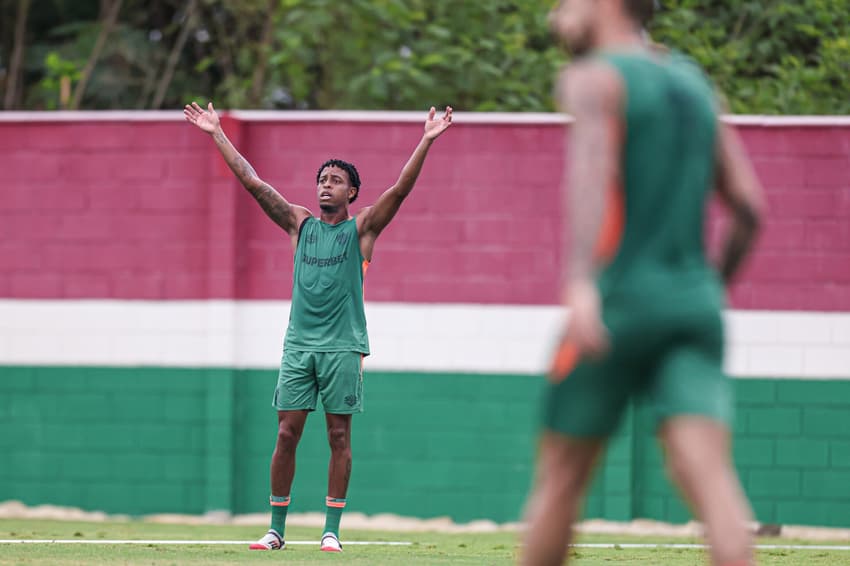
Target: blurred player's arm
(284,214)
(375,218)
(742,193)
(592,93)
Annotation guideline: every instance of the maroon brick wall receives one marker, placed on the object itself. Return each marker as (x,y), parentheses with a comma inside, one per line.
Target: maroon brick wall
(145,209)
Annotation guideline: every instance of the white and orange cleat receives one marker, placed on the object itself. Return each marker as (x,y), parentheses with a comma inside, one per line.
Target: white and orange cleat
(330,543)
(270,541)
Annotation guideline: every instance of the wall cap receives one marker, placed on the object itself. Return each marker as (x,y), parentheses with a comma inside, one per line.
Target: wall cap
(488,118)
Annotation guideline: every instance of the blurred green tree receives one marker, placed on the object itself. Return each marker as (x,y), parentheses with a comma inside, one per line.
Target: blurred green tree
(768,57)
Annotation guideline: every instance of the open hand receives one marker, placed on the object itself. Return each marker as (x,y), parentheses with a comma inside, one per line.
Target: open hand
(207,120)
(435,126)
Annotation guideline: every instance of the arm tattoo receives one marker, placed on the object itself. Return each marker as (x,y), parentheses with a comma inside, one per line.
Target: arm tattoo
(274,205)
(243,169)
(240,167)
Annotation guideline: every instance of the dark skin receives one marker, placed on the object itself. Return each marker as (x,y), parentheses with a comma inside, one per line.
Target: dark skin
(290,427)
(334,192)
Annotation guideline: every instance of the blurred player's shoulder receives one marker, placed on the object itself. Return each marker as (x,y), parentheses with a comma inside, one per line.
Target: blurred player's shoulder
(696,74)
(666,54)
(589,78)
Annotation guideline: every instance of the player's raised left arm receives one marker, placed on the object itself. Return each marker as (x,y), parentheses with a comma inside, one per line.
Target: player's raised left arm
(375,218)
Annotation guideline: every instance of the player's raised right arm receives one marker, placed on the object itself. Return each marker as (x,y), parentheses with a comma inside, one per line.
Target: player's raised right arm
(277,208)
(742,193)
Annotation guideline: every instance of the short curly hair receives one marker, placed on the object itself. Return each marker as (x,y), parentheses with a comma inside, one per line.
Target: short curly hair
(353,175)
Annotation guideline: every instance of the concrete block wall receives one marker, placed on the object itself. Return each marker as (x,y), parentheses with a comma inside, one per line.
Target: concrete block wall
(142,207)
(127,247)
(126,440)
(130,440)
(87,436)
(791,440)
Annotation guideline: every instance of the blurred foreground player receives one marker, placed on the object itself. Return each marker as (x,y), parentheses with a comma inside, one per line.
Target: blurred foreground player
(326,339)
(645,151)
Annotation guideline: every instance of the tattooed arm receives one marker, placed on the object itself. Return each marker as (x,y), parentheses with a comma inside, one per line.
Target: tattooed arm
(284,214)
(592,93)
(741,191)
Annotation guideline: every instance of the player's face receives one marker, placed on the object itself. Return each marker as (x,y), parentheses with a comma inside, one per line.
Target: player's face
(572,23)
(334,188)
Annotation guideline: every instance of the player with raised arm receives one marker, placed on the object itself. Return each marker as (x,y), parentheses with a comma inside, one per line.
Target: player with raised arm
(326,339)
(646,150)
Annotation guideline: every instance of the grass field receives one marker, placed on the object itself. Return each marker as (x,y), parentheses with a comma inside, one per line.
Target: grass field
(425,548)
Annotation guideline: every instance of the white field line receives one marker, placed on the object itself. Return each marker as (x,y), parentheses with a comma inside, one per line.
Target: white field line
(186,542)
(649,546)
(844,548)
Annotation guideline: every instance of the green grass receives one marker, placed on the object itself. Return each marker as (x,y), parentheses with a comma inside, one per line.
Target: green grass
(426,548)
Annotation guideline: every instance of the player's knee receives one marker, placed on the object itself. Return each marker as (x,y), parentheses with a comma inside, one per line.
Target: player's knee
(338,438)
(566,485)
(686,466)
(679,460)
(287,436)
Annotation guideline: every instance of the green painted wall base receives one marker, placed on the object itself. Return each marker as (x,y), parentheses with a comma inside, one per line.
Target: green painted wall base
(150,440)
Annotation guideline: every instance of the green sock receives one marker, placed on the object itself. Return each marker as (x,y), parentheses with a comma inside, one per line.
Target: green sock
(333,515)
(280,505)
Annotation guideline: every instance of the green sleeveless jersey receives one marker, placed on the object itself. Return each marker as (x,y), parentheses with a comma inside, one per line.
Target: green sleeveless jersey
(327,313)
(667,172)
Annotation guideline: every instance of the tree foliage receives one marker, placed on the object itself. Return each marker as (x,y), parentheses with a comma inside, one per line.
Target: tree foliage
(768,57)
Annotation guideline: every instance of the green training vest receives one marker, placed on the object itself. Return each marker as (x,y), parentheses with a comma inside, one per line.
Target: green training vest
(327,312)
(668,163)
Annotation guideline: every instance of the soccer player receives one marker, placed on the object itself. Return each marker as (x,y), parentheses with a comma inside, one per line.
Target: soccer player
(645,151)
(326,339)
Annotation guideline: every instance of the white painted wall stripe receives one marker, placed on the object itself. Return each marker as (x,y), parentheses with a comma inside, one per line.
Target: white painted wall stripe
(404,337)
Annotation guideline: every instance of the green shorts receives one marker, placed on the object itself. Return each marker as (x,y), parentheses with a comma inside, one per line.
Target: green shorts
(336,376)
(672,362)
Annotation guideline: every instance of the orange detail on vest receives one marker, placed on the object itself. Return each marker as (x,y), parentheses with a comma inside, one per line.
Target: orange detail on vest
(613,223)
(565,361)
(365,267)
(614,219)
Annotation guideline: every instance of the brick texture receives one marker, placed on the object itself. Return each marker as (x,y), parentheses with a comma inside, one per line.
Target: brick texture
(147,210)
(146,440)
(793,455)
(121,439)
